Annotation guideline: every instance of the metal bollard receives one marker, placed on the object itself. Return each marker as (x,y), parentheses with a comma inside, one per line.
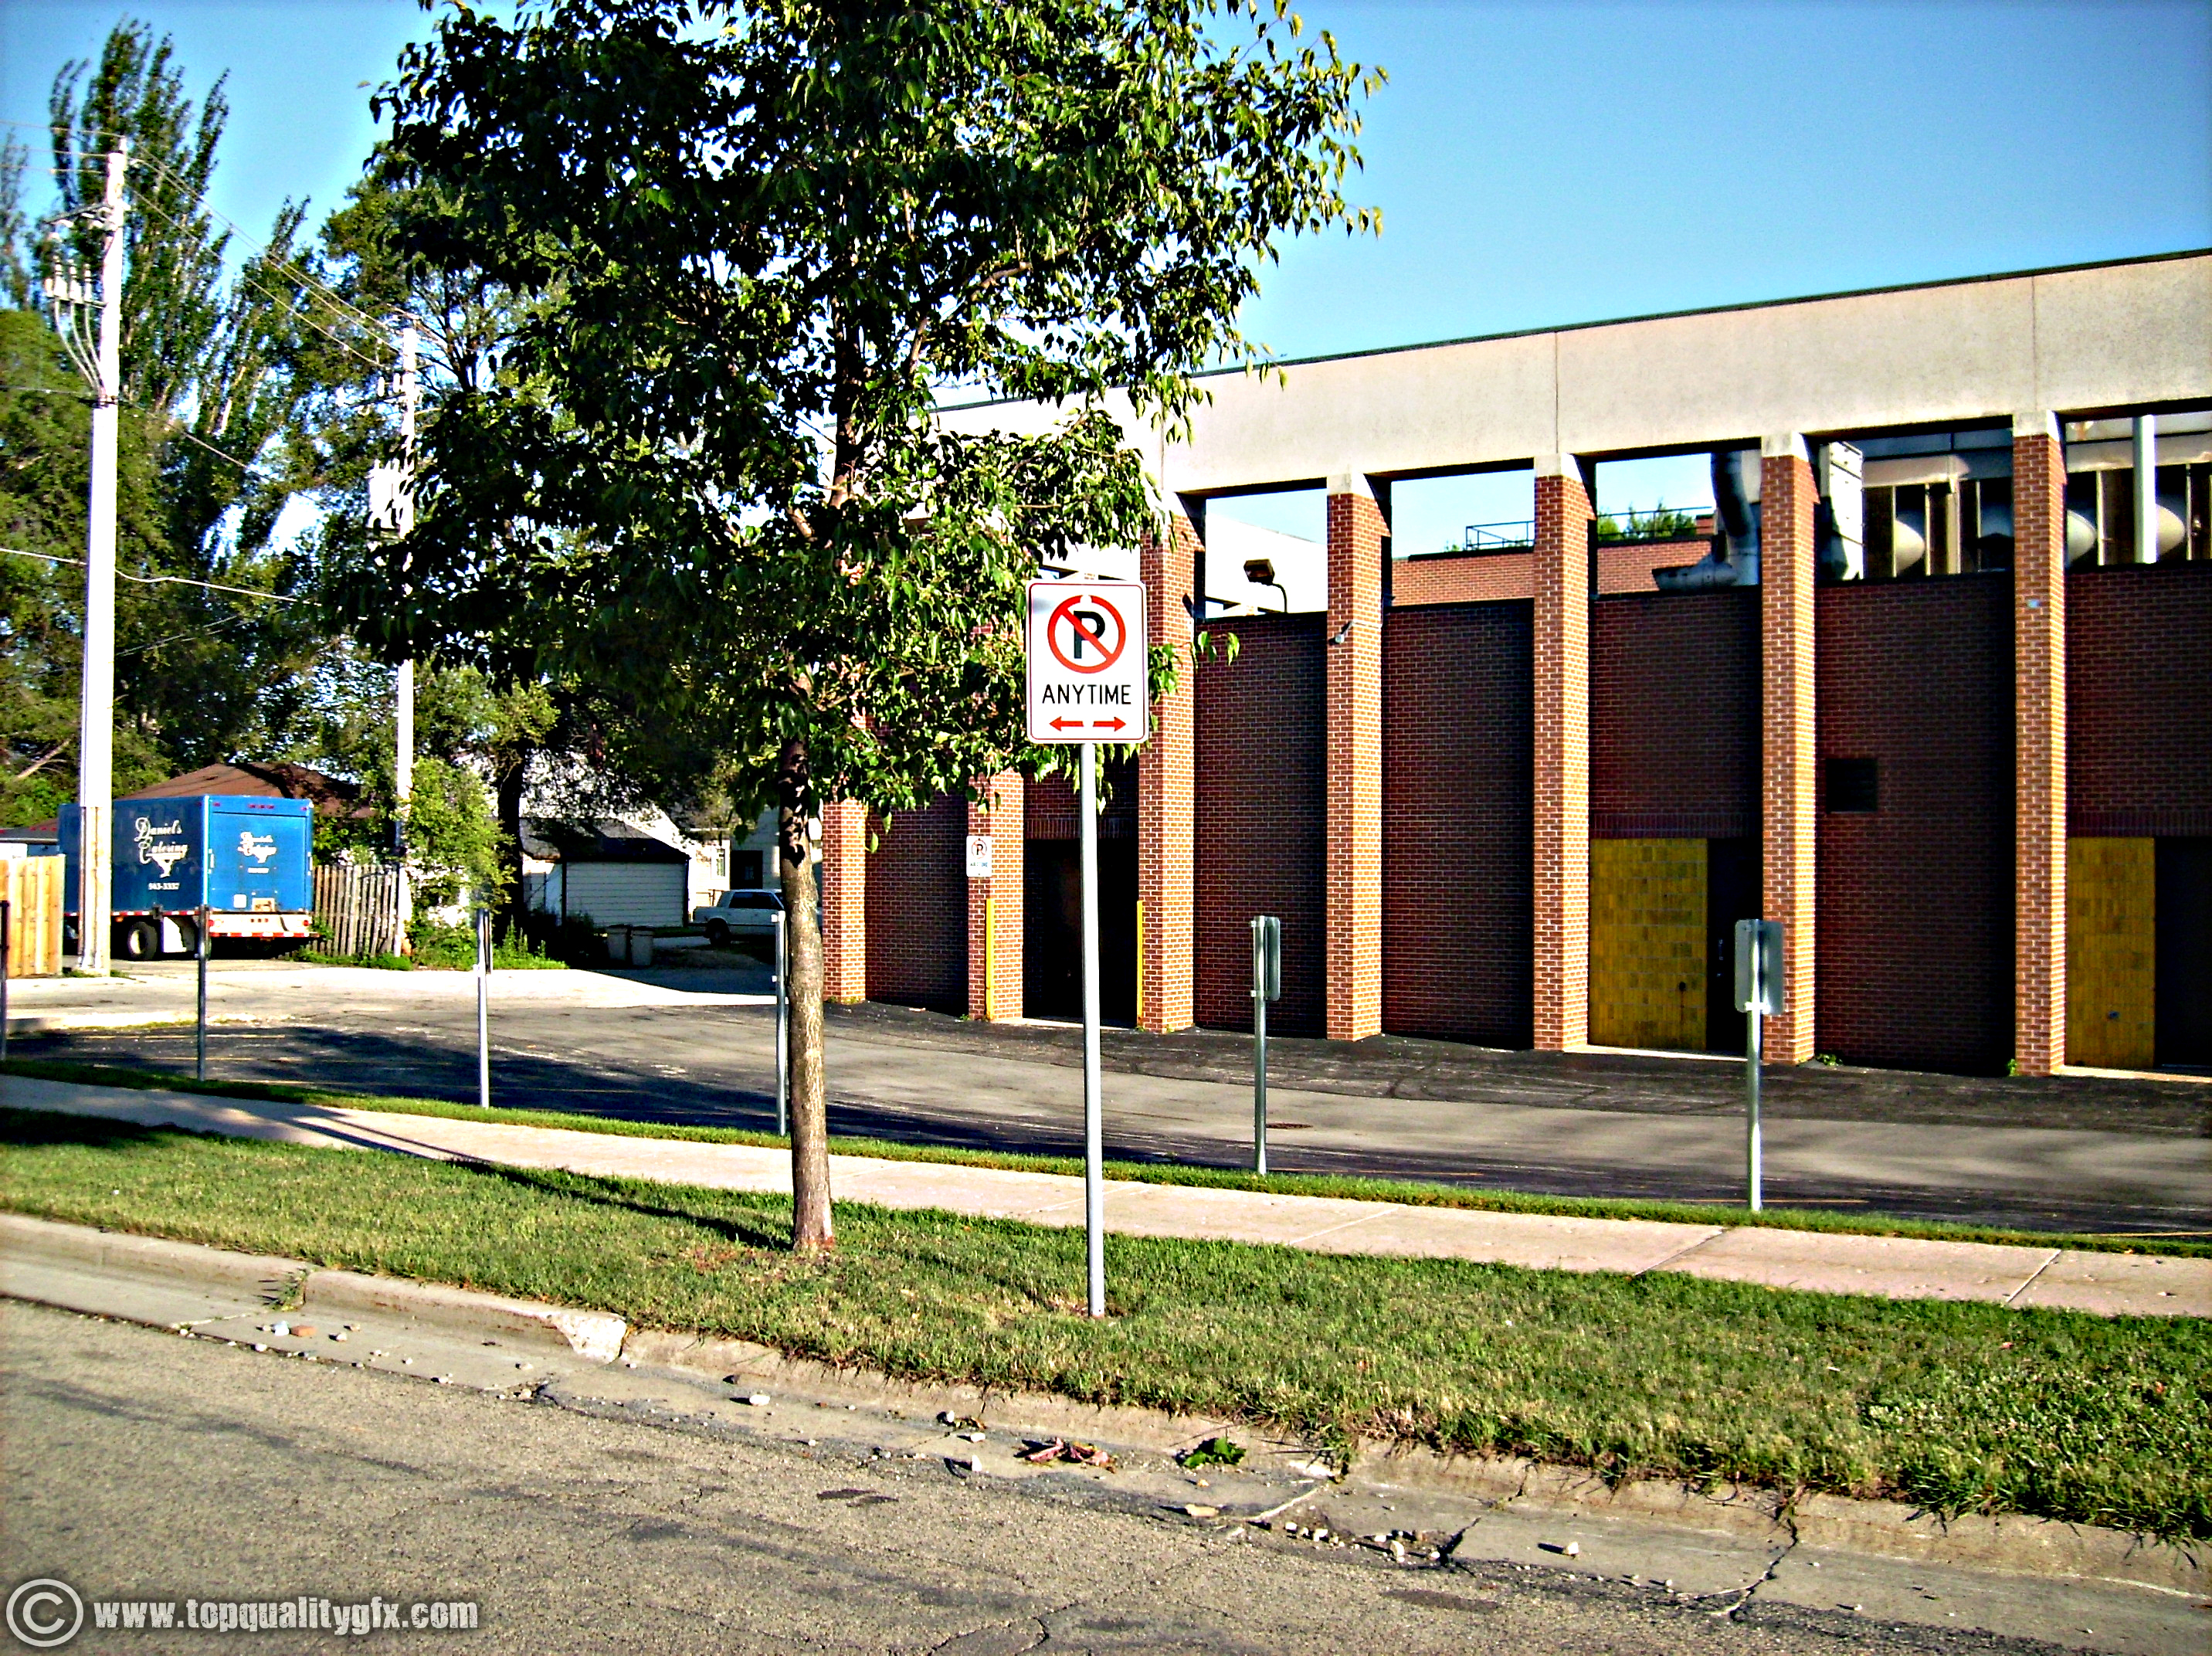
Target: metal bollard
(200,957)
(1266,985)
(1760,991)
(483,1008)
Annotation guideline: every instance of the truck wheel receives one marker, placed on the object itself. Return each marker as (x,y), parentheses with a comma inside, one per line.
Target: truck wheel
(717,934)
(138,940)
(188,938)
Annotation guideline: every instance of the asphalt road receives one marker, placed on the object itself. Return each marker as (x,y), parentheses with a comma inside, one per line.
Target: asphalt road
(2072,1154)
(140,1466)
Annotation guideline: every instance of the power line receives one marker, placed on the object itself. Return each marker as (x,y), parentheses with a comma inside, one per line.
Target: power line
(245,275)
(160,579)
(179,430)
(305,279)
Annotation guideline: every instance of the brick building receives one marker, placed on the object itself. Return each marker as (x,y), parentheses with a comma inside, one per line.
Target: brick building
(1936,693)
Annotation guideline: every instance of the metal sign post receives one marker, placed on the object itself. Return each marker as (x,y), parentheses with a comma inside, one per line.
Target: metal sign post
(782,1022)
(1089,682)
(1760,993)
(1094,1126)
(7,917)
(483,1008)
(200,953)
(1266,985)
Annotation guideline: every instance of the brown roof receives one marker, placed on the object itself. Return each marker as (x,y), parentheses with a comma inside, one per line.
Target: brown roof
(282,781)
(331,797)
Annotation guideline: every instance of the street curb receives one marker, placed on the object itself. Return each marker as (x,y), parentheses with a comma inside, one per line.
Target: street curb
(128,1255)
(595,1335)
(2012,1543)
(2008,1542)
(60,1023)
(1041,1414)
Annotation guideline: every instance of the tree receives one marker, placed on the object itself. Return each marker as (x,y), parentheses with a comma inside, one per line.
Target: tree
(45,421)
(214,370)
(758,240)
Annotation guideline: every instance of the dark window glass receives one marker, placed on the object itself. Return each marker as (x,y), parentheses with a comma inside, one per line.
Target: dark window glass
(1851,784)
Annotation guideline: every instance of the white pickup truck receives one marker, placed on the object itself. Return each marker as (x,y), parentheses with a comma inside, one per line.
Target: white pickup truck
(738,911)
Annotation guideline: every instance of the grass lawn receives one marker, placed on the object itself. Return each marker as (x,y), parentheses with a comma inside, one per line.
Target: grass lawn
(1410,1192)
(1959,1407)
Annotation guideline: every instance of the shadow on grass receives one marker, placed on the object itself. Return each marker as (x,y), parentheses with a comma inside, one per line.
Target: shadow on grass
(745,1230)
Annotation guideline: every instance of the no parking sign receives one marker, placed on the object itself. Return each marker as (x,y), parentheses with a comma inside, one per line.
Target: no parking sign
(1087,678)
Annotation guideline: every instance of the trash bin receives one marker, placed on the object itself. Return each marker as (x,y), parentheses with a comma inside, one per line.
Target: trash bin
(629,946)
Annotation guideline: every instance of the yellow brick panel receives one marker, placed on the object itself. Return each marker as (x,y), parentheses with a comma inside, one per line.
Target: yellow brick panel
(1647,950)
(2111,952)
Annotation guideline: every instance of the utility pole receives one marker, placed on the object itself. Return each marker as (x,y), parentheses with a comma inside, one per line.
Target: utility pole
(402,759)
(96,713)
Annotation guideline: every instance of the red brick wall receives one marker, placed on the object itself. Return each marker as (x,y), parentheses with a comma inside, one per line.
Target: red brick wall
(1049,808)
(2039,745)
(1481,577)
(2139,699)
(1356,555)
(918,907)
(1458,844)
(1789,792)
(1262,818)
(1048,803)
(844,901)
(1478,578)
(1561,750)
(1166,849)
(1915,929)
(995,904)
(1674,715)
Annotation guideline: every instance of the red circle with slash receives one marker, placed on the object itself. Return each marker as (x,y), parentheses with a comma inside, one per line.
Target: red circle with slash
(1068,613)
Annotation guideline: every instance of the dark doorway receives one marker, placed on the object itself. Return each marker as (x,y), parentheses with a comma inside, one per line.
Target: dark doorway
(1732,893)
(2185,953)
(1052,929)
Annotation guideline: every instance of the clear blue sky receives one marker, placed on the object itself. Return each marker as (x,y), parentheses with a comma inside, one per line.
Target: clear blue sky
(1535,164)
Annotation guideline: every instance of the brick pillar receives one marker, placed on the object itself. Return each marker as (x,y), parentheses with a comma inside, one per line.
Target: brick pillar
(1166,786)
(2038,623)
(1789,791)
(1354,882)
(994,906)
(845,902)
(1562,755)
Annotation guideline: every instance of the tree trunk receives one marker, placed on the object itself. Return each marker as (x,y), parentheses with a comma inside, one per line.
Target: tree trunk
(509,767)
(811,1229)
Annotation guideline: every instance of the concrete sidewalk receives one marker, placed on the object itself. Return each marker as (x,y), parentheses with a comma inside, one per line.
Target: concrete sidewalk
(279,991)
(2111,1284)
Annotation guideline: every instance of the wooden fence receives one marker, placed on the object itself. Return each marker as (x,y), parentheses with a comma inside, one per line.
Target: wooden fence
(33,888)
(357,907)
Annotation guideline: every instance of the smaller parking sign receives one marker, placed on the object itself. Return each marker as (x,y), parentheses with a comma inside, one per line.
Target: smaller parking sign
(1087,676)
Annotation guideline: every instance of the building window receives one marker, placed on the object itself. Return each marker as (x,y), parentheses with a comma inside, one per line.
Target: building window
(1851,784)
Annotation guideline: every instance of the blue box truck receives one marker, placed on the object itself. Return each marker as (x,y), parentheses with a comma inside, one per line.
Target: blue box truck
(250,860)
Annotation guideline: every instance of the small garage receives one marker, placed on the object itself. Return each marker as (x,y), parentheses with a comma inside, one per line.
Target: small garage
(609,873)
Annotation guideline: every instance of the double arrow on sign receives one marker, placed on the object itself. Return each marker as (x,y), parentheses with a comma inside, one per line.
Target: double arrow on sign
(1093,724)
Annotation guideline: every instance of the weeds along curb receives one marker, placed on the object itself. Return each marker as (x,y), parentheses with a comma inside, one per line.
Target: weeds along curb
(2008,1543)
(1402,1192)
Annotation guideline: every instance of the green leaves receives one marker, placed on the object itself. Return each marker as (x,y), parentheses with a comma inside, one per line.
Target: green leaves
(754,245)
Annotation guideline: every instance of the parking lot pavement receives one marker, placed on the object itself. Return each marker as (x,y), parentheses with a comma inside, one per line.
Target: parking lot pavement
(687,1045)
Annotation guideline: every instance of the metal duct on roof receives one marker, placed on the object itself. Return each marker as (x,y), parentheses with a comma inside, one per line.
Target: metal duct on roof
(2178,448)
(1734,560)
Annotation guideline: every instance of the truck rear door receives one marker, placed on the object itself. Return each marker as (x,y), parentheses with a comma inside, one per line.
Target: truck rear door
(259,856)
